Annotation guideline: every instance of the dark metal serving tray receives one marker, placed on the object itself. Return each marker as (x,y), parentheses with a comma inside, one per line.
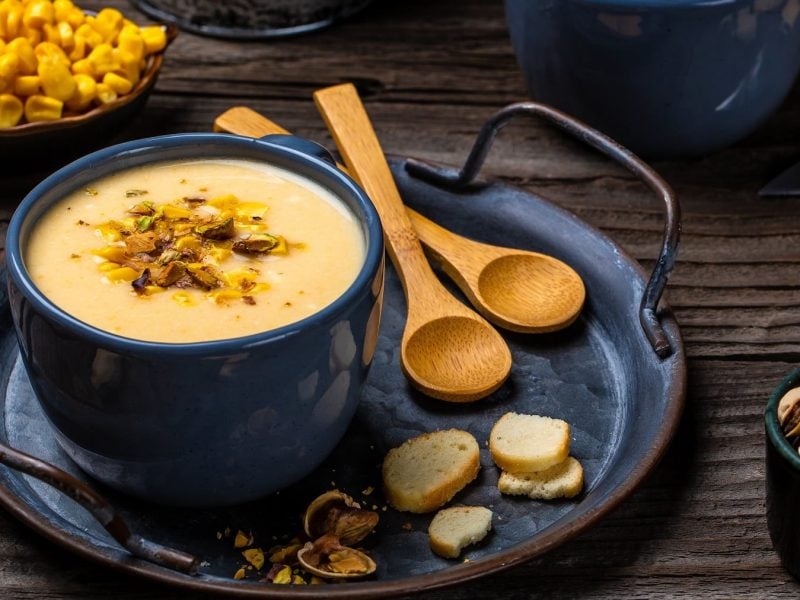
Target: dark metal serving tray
(620,388)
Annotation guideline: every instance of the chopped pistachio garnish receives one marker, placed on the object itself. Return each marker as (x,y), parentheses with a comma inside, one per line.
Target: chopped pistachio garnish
(184,245)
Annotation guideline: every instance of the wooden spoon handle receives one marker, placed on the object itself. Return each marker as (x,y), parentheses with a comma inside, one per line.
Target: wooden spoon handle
(245,121)
(348,122)
(241,120)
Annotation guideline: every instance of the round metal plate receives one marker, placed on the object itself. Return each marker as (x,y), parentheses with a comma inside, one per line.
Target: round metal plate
(601,375)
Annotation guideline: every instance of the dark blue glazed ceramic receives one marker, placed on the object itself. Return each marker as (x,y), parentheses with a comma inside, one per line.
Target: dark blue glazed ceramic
(199,424)
(783,482)
(662,77)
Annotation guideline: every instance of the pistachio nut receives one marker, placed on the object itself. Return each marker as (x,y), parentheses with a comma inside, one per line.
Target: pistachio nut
(789,416)
(338,514)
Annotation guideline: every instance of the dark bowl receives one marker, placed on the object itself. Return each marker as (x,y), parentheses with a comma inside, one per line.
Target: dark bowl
(27,146)
(783,482)
(202,423)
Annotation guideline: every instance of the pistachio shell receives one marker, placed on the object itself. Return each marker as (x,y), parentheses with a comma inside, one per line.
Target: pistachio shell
(337,513)
(336,562)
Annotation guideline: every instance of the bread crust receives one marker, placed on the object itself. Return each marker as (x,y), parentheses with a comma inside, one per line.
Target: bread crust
(452,529)
(564,480)
(411,485)
(509,451)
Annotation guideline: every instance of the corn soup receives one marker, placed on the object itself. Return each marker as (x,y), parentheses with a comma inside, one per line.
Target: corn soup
(197,250)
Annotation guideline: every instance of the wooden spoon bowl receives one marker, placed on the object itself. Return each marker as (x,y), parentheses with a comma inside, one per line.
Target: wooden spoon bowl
(515,289)
(447,350)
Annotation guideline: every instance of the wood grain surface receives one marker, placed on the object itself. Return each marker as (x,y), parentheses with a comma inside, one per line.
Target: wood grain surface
(430,73)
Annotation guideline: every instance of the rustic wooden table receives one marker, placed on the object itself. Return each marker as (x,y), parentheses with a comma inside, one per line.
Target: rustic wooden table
(431,73)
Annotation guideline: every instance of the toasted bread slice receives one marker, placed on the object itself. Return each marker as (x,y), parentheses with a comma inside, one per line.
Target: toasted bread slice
(564,480)
(425,472)
(452,529)
(528,443)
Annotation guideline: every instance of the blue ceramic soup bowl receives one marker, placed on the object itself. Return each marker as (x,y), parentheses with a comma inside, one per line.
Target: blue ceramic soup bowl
(209,423)
(662,77)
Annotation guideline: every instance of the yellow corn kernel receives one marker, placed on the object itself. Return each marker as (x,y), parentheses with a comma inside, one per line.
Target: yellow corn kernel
(129,67)
(224,296)
(188,242)
(2,45)
(112,253)
(110,231)
(85,92)
(75,17)
(67,35)
(78,51)
(108,22)
(105,267)
(102,58)
(83,67)
(258,288)
(9,68)
(154,38)
(13,19)
(57,81)
(235,278)
(180,229)
(105,94)
(226,202)
(26,85)
(184,298)
(119,84)
(10,110)
(281,247)
(62,8)
(51,34)
(92,37)
(52,53)
(251,209)
(240,573)
(175,212)
(129,223)
(149,290)
(122,274)
(24,51)
(34,36)
(132,42)
(219,254)
(42,108)
(38,14)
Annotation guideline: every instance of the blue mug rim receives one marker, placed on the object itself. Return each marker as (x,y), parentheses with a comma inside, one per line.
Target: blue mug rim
(157,145)
(658,4)
(773,427)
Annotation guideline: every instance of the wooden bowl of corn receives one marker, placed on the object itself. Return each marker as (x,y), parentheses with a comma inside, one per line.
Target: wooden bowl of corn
(70,79)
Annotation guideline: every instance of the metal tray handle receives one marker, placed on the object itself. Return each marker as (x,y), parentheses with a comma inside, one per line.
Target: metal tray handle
(446,178)
(100,509)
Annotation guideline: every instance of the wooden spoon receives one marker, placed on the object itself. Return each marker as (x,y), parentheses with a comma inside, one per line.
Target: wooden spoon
(447,350)
(515,289)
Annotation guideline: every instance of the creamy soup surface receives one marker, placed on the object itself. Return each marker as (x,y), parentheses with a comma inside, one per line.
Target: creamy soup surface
(82,256)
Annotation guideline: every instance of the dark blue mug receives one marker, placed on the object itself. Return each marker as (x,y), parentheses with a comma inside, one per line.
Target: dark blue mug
(207,423)
(662,77)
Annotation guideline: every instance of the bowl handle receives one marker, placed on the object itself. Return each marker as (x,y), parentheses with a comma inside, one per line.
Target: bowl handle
(449,179)
(100,509)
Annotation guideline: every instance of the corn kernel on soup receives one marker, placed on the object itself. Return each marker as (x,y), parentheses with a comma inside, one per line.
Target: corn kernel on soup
(195,250)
